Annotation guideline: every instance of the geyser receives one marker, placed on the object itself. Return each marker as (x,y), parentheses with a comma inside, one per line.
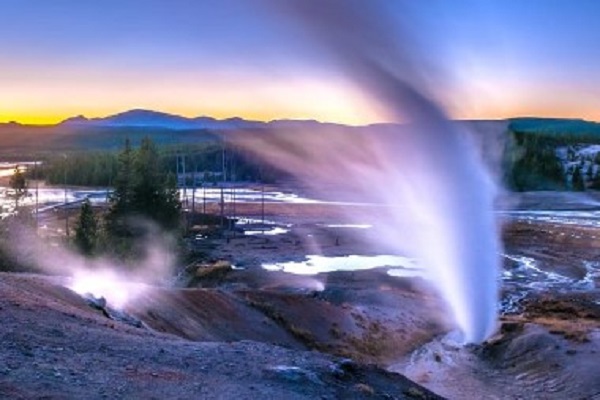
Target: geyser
(437,197)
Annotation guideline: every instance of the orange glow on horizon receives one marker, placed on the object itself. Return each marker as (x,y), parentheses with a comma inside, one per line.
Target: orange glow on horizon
(53,119)
(38,101)
(339,115)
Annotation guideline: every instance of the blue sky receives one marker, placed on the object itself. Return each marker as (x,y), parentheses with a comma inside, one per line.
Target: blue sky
(224,58)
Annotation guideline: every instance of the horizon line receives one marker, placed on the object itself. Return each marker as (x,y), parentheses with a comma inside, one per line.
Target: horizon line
(267,121)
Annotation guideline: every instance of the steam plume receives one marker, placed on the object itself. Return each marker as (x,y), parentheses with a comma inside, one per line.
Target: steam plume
(117,281)
(438,198)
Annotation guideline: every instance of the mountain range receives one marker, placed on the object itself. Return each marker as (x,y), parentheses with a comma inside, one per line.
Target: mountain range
(81,133)
(139,118)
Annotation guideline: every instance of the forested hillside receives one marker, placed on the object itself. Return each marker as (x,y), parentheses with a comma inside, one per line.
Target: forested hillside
(18,141)
(536,153)
(551,154)
(208,162)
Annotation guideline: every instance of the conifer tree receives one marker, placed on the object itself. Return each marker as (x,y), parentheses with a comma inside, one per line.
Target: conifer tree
(577,180)
(86,231)
(143,190)
(155,195)
(121,198)
(18,184)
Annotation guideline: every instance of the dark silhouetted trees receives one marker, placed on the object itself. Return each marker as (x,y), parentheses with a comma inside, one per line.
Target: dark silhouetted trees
(577,182)
(18,184)
(531,164)
(144,191)
(121,199)
(86,229)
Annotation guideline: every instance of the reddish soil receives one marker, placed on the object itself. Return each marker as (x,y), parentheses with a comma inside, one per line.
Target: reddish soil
(555,247)
(54,346)
(249,333)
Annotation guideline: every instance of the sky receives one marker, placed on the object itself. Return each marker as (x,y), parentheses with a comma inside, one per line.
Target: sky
(225,58)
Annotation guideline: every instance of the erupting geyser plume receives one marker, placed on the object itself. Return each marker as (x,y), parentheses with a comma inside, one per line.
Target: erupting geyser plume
(439,199)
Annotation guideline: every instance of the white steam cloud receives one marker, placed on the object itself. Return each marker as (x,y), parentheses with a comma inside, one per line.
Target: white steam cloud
(438,198)
(118,282)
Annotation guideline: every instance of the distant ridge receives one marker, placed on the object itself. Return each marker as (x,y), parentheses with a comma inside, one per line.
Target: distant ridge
(555,125)
(109,132)
(140,118)
(148,118)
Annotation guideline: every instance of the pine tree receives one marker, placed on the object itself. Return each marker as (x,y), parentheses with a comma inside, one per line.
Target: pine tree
(86,231)
(170,215)
(142,190)
(147,184)
(121,199)
(589,172)
(577,180)
(18,184)
(155,195)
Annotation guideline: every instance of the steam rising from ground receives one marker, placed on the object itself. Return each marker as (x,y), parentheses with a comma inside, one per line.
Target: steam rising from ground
(438,198)
(117,281)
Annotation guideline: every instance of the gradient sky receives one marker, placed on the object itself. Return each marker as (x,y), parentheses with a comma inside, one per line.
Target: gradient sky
(223,58)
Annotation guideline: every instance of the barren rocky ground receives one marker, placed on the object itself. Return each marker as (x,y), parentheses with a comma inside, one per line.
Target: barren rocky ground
(251,333)
(55,346)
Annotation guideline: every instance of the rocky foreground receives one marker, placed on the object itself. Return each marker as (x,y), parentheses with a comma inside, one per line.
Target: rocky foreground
(232,342)
(249,333)
(56,346)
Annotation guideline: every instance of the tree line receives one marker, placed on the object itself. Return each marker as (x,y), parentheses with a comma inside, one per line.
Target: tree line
(531,160)
(144,200)
(143,193)
(210,163)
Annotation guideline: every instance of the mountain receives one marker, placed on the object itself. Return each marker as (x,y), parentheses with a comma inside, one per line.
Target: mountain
(81,133)
(154,119)
(109,132)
